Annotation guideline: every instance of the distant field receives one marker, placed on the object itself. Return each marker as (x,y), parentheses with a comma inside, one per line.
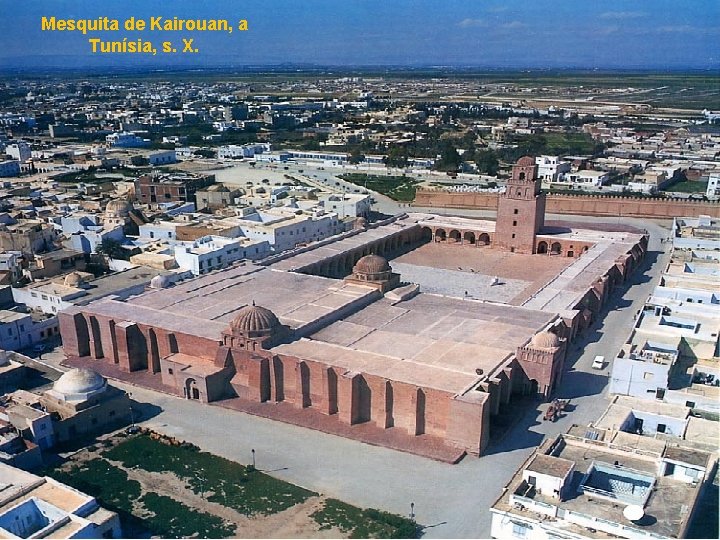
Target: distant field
(694,89)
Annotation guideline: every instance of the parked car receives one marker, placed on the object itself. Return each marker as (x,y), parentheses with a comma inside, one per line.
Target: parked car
(598,362)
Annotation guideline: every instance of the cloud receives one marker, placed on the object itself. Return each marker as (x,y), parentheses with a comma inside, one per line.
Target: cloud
(616,15)
(513,24)
(607,30)
(677,29)
(472,23)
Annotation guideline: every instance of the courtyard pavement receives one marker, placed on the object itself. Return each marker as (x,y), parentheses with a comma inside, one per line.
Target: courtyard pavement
(460,284)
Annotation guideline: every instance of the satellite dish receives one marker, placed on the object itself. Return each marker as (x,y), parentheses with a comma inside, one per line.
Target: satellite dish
(634,512)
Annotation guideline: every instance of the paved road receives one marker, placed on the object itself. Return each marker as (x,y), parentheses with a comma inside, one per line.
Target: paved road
(453,500)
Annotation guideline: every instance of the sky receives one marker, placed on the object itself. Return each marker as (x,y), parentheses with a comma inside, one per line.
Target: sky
(517,34)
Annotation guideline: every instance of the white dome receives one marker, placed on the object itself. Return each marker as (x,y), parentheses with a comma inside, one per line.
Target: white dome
(79,382)
(159,282)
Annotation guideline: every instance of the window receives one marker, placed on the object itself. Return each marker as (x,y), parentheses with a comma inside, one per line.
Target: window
(519,530)
(661,428)
(647,376)
(33,294)
(170,371)
(514,223)
(513,235)
(515,211)
(690,404)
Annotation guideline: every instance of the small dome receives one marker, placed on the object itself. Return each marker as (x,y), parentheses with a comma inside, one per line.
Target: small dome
(254,320)
(372,264)
(79,381)
(118,208)
(525,161)
(545,340)
(360,223)
(160,282)
(73,279)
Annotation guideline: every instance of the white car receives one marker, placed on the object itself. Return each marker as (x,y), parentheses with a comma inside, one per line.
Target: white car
(598,362)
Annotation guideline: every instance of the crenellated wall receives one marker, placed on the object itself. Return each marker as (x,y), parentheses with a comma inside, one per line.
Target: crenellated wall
(585,204)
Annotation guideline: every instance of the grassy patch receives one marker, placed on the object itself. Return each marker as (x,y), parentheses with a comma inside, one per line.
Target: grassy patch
(399,188)
(688,186)
(364,523)
(86,177)
(220,480)
(159,515)
(172,519)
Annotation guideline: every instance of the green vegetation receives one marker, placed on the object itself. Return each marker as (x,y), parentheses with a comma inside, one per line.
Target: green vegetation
(399,188)
(87,177)
(364,523)
(550,143)
(215,479)
(218,479)
(103,481)
(688,186)
(173,519)
(161,516)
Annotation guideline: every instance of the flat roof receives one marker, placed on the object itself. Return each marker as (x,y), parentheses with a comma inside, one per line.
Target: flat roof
(328,249)
(665,504)
(204,306)
(445,340)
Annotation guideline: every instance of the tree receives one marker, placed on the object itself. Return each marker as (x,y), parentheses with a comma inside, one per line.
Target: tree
(486,162)
(356,157)
(112,249)
(397,156)
(450,159)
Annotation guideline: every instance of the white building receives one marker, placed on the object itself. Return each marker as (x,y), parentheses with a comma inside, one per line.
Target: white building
(235,151)
(9,168)
(593,483)
(19,330)
(583,179)
(19,150)
(161,230)
(550,168)
(125,139)
(713,188)
(285,228)
(347,204)
(33,506)
(215,252)
(162,157)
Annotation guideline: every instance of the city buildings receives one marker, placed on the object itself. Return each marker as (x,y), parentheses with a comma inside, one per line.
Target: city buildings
(591,483)
(34,506)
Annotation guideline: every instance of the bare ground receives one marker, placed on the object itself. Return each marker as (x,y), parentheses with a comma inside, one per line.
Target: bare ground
(295,522)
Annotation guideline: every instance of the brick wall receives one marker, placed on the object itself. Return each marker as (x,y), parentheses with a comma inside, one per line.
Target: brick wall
(590,205)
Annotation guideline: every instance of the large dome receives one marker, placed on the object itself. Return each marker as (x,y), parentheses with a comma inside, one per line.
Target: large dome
(254,320)
(79,381)
(545,340)
(525,161)
(372,264)
(118,208)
